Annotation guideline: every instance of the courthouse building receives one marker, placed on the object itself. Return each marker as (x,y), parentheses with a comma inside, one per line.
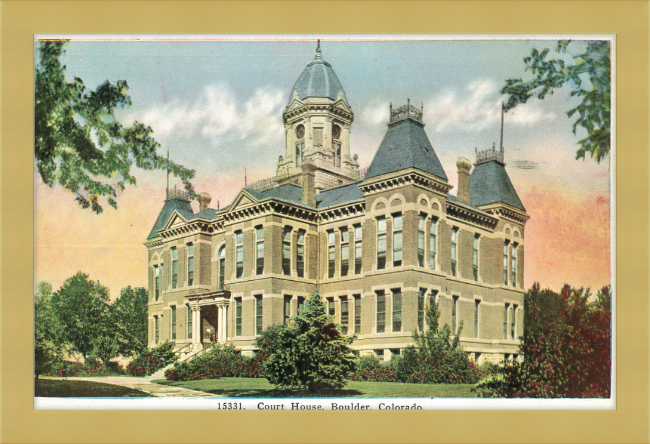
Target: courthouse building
(380,245)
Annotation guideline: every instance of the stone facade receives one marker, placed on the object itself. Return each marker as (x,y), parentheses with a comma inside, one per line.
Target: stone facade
(380,248)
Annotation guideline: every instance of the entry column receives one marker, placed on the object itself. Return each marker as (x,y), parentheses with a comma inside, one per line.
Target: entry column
(196,327)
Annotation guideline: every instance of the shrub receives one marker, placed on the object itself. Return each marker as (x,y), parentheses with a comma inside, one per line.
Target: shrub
(220,361)
(566,347)
(379,374)
(310,351)
(89,368)
(153,360)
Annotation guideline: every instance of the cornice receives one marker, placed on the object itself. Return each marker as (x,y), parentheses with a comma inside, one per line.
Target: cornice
(411,177)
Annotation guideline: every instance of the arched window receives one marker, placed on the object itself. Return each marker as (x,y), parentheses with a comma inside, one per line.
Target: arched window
(222,267)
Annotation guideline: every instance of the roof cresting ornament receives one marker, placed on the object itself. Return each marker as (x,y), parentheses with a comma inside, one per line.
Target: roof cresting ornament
(318,53)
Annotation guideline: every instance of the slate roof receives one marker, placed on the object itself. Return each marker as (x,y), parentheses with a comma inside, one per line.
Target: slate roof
(339,195)
(489,183)
(182,206)
(318,80)
(405,145)
(287,192)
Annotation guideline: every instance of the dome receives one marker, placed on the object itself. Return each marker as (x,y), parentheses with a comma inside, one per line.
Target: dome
(318,80)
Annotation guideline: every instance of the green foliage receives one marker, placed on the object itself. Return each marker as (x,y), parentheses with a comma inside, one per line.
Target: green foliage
(590,78)
(436,358)
(150,361)
(50,346)
(566,348)
(220,361)
(310,351)
(370,368)
(82,307)
(89,368)
(79,144)
(129,314)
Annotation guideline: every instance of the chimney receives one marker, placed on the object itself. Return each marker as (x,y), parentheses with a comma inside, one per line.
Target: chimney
(309,183)
(204,201)
(464,167)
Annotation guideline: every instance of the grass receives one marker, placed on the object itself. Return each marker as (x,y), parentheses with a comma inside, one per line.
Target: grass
(54,388)
(261,388)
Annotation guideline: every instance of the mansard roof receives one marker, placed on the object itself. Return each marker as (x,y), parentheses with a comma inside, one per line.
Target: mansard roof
(287,192)
(489,183)
(339,195)
(182,206)
(405,145)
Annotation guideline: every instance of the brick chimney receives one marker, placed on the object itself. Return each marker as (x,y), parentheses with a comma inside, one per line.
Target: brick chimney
(464,167)
(204,201)
(309,183)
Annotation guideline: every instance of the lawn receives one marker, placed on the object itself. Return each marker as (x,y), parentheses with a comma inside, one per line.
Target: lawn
(55,388)
(261,388)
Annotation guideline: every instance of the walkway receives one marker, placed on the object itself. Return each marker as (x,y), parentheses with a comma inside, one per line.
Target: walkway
(143,384)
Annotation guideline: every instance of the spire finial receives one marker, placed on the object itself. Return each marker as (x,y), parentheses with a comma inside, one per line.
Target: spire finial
(318,53)
(501,143)
(167,189)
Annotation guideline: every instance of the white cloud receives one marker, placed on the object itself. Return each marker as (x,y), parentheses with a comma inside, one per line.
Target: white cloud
(219,116)
(376,114)
(476,109)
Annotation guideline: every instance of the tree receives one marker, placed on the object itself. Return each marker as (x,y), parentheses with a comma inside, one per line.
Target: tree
(310,351)
(130,320)
(566,347)
(436,357)
(80,145)
(49,342)
(82,307)
(590,78)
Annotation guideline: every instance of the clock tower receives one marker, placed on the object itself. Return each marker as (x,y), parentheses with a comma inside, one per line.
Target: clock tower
(317,123)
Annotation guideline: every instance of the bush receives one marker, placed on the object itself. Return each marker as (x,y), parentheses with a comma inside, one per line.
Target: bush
(153,360)
(89,368)
(566,347)
(310,352)
(220,361)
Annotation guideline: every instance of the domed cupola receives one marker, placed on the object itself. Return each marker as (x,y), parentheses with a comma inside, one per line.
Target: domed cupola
(317,80)
(317,123)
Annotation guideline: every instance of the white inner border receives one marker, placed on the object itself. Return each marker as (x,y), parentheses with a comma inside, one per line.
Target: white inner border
(427,404)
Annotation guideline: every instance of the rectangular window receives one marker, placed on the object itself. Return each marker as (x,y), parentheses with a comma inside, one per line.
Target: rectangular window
(358,249)
(513,260)
(344,315)
(174,267)
(331,254)
(238,316)
(397,310)
(381,243)
(239,253)
(432,243)
(433,298)
(286,251)
(190,265)
(331,309)
(300,254)
(318,137)
(156,272)
(259,314)
(477,304)
(345,251)
(156,336)
(513,323)
(505,263)
(454,252)
(381,311)
(259,250)
(423,291)
(357,313)
(222,267)
(475,257)
(421,222)
(301,304)
(505,321)
(397,240)
(173,307)
(189,321)
(454,315)
(287,309)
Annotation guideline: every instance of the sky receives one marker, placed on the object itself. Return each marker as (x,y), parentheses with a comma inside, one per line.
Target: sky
(217,106)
